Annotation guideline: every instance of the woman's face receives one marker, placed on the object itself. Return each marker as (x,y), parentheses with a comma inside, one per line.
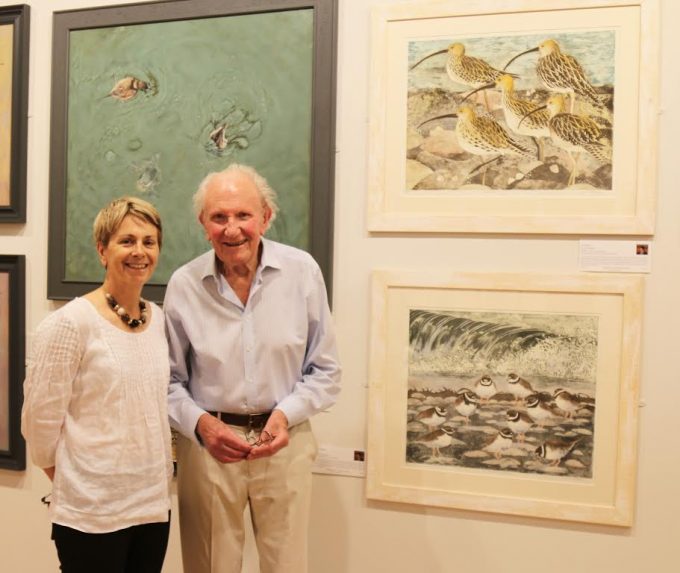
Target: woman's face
(131,256)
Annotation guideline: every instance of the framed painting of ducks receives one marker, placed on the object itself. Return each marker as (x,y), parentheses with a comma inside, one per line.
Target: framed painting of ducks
(525,116)
(12,358)
(506,393)
(14,43)
(149,98)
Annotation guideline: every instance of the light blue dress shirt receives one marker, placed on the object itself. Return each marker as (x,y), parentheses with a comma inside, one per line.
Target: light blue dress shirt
(276,351)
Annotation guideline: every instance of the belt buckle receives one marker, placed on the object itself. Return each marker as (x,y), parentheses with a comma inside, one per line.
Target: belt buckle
(253,423)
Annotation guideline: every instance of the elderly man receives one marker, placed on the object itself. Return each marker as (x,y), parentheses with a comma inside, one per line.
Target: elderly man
(253,356)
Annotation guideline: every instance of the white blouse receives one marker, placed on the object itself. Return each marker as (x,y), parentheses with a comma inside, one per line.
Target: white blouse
(95,407)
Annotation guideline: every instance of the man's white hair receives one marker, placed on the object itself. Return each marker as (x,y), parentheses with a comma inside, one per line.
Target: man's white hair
(267,194)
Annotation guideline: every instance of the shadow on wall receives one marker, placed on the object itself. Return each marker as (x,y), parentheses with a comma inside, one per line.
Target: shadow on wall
(329,545)
(380,537)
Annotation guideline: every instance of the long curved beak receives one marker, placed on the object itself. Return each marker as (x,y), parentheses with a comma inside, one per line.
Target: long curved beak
(519,56)
(531,113)
(479,89)
(427,57)
(453,115)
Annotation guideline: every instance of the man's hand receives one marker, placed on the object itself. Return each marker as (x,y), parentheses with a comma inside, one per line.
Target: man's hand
(220,441)
(277,428)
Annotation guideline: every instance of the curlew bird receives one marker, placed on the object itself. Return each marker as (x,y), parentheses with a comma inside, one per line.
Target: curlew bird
(561,72)
(463,69)
(516,109)
(479,135)
(575,133)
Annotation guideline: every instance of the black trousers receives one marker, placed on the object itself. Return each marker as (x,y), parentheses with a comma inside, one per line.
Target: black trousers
(136,549)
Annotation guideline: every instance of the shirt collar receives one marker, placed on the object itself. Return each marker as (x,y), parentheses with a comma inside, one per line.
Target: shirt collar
(270,255)
(270,259)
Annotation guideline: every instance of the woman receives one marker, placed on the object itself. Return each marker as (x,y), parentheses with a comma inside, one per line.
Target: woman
(95,407)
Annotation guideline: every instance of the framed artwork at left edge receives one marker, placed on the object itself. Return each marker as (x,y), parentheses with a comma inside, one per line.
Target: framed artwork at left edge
(14,42)
(12,360)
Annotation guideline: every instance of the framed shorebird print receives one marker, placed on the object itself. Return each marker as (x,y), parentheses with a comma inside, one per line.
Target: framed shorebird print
(149,98)
(14,44)
(519,117)
(506,393)
(12,356)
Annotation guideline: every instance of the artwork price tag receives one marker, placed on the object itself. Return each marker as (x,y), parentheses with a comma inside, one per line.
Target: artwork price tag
(616,256)
(336,460)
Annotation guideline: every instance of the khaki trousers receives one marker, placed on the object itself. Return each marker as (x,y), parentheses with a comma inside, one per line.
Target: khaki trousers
(213,497)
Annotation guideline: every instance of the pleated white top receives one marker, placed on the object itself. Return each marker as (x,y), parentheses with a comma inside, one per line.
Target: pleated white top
(95,407)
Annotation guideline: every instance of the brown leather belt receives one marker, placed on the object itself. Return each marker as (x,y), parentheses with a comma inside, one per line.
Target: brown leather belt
(245,420)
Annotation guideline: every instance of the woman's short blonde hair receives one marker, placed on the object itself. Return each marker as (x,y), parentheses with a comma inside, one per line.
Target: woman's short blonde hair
(110,218)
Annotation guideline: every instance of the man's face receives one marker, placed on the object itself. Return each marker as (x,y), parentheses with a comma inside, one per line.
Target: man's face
(234,219)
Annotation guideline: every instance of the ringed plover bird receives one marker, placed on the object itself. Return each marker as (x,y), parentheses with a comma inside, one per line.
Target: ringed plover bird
(518,422)
(519,387)
(485,388)
(539,411)
(501,442)
(555,451)
(431,417)
(439,438)
(465,403)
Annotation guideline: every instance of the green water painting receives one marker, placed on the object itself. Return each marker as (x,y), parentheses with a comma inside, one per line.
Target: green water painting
(153,108)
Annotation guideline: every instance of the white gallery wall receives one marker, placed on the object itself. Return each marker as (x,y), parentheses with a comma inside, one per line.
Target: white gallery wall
(349,534)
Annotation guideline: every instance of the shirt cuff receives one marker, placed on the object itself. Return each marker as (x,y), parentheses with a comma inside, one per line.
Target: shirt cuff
(191,412)
(293,410)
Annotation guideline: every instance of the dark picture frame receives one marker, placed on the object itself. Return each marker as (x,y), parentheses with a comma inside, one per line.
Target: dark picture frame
(12,363)
(18,18)
(320,108)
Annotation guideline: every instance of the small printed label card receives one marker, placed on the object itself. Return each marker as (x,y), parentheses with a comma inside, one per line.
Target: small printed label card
(616,256)
(340,461)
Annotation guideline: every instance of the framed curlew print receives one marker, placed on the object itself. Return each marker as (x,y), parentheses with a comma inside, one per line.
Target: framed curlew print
(506,393)
(149,98)
(14,44)
(12,355)
(514,117)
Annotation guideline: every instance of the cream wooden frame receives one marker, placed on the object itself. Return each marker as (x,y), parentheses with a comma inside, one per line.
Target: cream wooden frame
(607,497)
(630,207)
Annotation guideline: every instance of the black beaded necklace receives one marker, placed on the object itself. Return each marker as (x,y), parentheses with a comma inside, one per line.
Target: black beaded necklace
(123,314)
